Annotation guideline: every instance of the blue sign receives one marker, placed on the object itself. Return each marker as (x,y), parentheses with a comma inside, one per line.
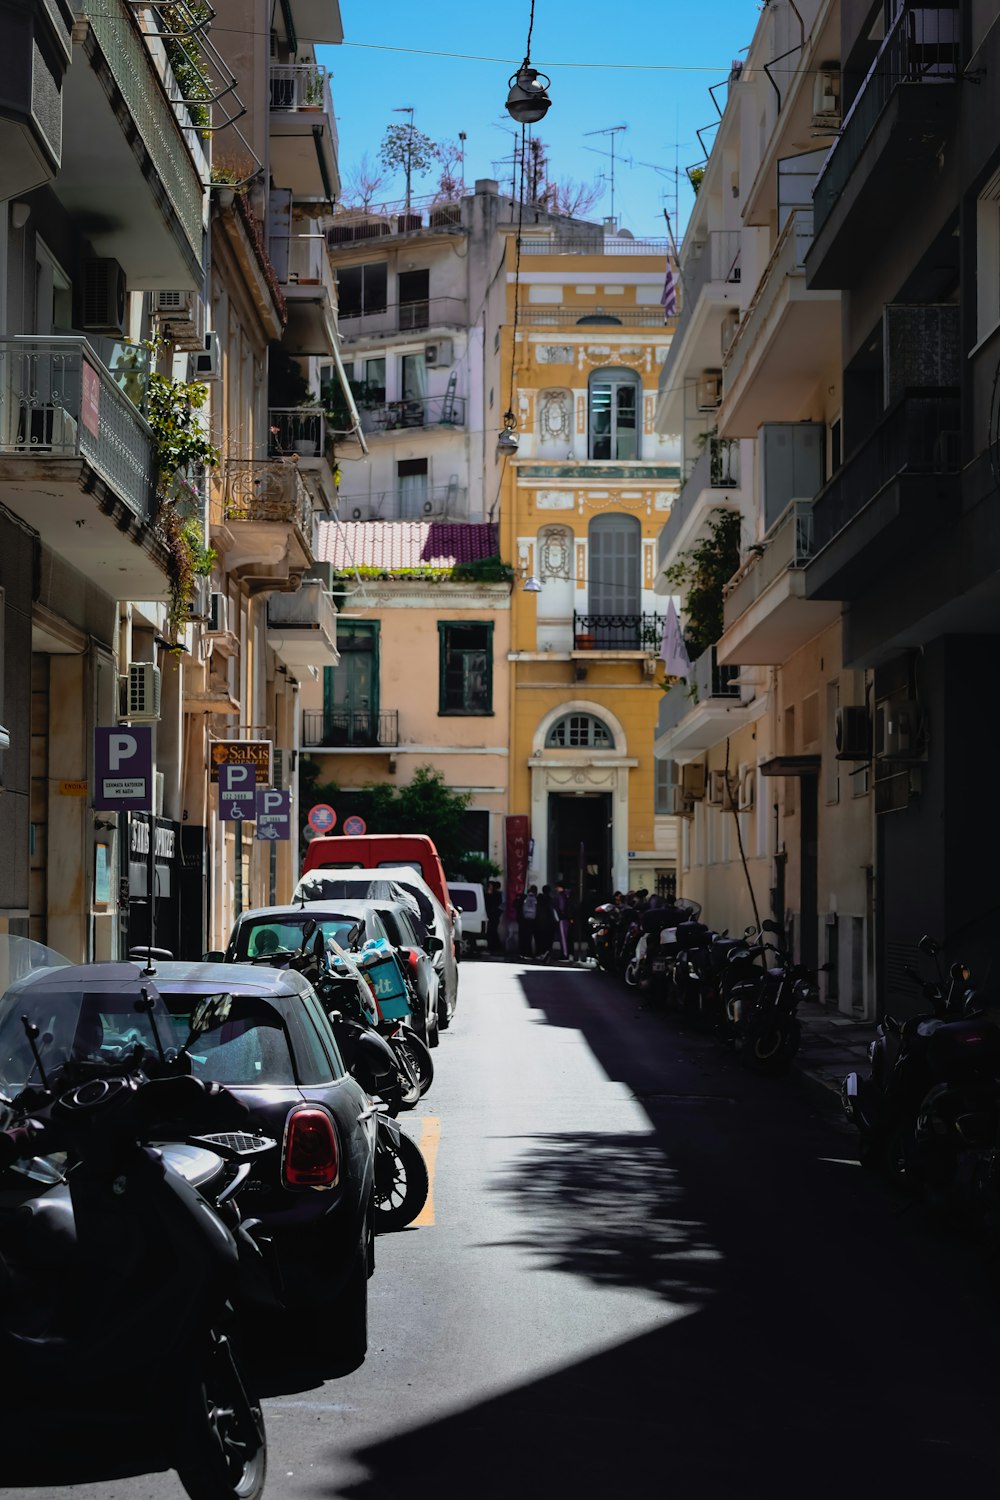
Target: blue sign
(237,793)
(274,814)
(123,769)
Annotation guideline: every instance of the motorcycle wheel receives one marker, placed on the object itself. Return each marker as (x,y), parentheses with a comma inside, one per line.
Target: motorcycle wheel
(401,1183)
(769,1049)
(421,1066)
(632,974)
(217,1458)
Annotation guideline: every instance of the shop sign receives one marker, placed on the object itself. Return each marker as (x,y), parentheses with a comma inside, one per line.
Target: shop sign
(254,753)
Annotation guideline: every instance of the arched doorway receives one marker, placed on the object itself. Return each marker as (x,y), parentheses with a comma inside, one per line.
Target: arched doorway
(579,800)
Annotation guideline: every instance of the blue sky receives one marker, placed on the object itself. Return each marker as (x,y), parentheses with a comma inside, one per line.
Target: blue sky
(693,45)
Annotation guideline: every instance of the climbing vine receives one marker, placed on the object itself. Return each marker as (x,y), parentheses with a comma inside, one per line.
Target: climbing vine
(701,574)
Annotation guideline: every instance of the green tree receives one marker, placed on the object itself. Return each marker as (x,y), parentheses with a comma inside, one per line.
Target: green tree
(408,150)
(701,575)
(426,805)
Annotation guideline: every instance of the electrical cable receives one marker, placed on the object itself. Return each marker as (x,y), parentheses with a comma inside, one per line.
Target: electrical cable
(739,840)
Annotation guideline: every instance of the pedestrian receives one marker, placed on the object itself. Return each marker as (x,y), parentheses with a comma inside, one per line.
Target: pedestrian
(526,907)
(572,919)
(494,908)
(545,925)
(561,902)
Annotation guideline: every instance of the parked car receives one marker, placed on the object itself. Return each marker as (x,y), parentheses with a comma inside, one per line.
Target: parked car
(313,1200)
(350,923)
(471,903)
(397,883)
(380,851)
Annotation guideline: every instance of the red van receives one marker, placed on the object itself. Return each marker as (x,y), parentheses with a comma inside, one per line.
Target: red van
(377,851)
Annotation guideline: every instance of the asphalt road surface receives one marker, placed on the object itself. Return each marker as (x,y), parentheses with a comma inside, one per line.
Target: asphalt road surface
(642,1271)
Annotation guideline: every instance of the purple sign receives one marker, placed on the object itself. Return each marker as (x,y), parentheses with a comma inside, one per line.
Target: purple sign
(123,769)
(237,793)
(274,813)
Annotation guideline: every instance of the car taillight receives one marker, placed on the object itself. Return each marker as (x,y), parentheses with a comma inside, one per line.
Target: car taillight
(312,1155)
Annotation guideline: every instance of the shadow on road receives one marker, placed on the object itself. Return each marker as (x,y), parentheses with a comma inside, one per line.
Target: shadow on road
(819,1341)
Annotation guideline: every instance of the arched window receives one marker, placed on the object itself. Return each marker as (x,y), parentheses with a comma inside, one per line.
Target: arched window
(579,732)
(615,405)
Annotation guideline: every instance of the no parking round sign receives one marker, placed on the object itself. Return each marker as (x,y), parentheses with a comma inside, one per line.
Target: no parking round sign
(322,818)
(354,826)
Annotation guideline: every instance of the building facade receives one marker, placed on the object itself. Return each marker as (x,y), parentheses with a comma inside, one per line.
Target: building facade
(576,338)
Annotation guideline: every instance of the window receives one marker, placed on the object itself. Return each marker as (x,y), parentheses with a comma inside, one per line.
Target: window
(661,793)
(374,379)
(414,295)
(414,380)
(412,488)
(476,832)
(361,289)
(580,732)
(466,667)
(350,689)
(614,414)
(615,568)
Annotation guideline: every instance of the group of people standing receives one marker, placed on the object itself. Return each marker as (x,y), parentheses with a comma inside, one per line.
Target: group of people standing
(547,921)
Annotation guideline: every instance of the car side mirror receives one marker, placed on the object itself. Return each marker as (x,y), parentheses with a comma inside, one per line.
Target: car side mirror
(214,957)
(433,945)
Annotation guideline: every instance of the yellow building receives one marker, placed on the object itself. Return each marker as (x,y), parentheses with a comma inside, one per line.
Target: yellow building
(581,504)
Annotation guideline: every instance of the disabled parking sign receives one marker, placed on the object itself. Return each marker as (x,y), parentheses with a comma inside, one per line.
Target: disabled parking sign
(237,793)
(274,814)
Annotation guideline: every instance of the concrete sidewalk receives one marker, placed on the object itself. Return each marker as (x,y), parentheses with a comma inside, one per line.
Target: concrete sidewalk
(832,1045)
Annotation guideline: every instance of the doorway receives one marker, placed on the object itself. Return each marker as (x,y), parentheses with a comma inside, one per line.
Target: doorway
(580,845)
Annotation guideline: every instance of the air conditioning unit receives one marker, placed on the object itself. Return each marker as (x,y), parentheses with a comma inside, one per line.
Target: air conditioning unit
(854,733)
(679,804)
(898,730)
(729,329)
(182,318)
(693,780)
(709,390)
(719,785)
(201,599)
(826,97)
(104,296)
(142,703)
(439,356)
(218,614)
(207,363)
(746,782)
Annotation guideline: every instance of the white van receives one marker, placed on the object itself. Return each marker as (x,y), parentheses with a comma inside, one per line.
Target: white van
(470,902)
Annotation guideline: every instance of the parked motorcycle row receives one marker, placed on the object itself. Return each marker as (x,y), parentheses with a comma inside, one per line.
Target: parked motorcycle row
(745,990)
(928,1113)
(200,1151)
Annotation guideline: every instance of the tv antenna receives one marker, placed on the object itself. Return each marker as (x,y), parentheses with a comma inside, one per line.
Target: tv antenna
(612,131)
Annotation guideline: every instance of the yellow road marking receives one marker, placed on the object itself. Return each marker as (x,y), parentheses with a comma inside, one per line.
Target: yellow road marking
(430,1135)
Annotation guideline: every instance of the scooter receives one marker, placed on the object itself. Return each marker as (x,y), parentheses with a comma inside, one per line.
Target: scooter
(119,1233)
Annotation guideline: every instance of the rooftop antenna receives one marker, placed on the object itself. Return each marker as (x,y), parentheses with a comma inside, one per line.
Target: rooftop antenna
(612,131)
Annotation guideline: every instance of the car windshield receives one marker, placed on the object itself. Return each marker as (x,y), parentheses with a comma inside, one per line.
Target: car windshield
(259,936)
(247,1043)
(77,1026)
(464,900)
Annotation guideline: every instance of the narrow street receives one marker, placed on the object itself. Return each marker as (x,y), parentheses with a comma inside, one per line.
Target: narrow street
(642,1270)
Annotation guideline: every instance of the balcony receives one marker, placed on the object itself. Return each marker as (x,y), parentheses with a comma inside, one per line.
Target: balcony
(31,115)
(617,635)
(303,432)
(263,521)
(697,715)
(130,171)
(302,627)
(597,244)
(891,135)
(395,221)
(350,729)
(440,502)
(424,411)
(302,266)
(712,484)
(710,281)
(404,318)
(767,615)
(303,131)
(890,496)
(786,331)
(76,463)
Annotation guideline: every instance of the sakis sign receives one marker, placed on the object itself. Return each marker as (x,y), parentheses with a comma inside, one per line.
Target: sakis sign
(255,753)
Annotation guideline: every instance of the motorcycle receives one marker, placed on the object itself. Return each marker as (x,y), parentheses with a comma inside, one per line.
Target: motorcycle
(929,1112)
(658,949)
(118,1225)
(761,1005)
(603,925)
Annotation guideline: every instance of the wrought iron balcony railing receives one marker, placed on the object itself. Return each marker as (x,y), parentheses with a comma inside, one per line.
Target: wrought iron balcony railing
(439,502)
(404,317)
(921,47)
(266,490)
(57,400)
(423,411)
(617,632)
(297,429)
(340,728)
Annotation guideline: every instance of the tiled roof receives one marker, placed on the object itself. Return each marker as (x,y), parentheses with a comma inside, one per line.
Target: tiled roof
(406,544)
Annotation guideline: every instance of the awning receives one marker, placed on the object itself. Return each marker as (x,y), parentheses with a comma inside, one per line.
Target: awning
(345,385)
(791,765)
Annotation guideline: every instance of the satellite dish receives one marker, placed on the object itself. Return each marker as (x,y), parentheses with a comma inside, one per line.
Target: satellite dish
(356,513)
